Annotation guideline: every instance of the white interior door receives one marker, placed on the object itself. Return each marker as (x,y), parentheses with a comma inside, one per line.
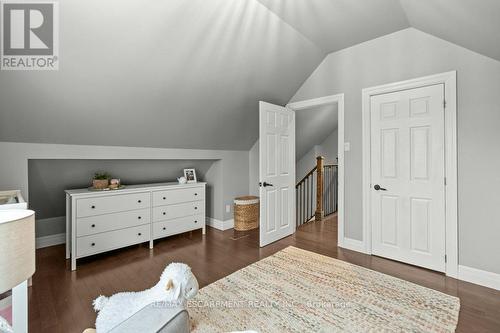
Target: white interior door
(277,172)
(408,176)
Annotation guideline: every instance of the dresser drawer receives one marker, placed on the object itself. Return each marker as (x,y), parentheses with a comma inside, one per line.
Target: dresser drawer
(176,226)
(102,223)
(175,196)
(111,240)
(111,204)
(161,213)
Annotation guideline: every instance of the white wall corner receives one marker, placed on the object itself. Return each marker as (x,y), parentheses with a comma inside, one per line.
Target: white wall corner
(480,277)
(219,224)
(50,240)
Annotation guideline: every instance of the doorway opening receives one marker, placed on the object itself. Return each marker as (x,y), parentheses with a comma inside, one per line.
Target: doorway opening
(316,162)
(319,187)
(277,168)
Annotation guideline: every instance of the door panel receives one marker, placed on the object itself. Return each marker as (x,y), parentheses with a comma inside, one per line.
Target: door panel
(407,160)
(277,168)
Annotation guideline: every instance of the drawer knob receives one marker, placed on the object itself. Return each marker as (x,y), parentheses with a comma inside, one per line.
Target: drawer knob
(139,217)
(93,244)
(164,228)
(93,207)
(139,201)
(195,221)
(195,207)
(139,234)
(164,213)
(93,226)
(196,194)
(164,198)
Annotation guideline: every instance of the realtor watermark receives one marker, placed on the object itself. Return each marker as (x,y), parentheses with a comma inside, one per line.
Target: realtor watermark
(29,35)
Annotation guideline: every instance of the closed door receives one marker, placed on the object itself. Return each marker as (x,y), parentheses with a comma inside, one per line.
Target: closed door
(408,176)
(277,172)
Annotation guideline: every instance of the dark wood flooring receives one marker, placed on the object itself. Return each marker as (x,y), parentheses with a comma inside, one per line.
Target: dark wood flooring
(60,300)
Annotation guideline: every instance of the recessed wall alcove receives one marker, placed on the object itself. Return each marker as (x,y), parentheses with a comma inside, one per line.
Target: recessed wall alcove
(48,178)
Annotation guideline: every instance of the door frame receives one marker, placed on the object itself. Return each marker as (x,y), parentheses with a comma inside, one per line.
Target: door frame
(449,79)
(339,100)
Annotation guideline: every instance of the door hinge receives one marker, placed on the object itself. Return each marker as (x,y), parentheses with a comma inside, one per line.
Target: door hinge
(444,104)
(445,258)
(444,181)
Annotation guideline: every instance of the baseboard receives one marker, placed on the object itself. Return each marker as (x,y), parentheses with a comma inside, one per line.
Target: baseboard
(220,225)
(480,277)
(353,245)
(50,240)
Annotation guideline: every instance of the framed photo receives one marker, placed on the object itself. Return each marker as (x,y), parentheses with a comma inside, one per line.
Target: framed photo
(190,175)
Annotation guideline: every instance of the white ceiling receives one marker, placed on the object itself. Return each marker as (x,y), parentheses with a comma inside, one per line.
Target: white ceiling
(336,24)
(175,74)
(190,73)
(313,126)
(473,24)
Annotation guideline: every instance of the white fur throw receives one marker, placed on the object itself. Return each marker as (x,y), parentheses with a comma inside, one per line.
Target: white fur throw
(4,326)
(177,284)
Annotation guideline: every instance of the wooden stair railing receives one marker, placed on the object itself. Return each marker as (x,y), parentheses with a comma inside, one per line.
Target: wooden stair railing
(330,186)
(316,193)
(304,198)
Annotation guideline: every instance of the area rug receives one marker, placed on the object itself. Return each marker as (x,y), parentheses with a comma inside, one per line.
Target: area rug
(300,291)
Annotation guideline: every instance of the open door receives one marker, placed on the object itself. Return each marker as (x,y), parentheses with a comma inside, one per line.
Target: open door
(276,172)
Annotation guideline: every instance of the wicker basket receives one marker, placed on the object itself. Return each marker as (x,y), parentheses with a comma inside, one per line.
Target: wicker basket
(246,213)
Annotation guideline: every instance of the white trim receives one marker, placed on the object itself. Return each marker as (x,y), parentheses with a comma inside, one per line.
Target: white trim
(20,307)
(339,99)
(480,277)
(449,80)
(50,240)
(220,225)
(353,244)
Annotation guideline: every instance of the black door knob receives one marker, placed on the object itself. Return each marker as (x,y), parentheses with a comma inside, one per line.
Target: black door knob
(93,244)
(93,225)
(92,207)
(164,213)
(139,201)
(378,188)
(139,217)
(139,234)
(164,228)
(265,184)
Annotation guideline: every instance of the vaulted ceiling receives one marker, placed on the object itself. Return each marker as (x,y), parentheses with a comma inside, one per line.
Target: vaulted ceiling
(190,73)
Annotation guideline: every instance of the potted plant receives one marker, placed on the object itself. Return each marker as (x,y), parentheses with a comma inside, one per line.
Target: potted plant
(101,180)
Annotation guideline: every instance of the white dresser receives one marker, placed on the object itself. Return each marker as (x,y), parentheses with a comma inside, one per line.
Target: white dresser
(102,221)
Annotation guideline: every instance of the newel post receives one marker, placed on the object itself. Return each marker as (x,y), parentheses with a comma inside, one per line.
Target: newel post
(318,216)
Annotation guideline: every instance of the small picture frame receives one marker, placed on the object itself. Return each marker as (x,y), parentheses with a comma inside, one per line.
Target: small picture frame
(190,175)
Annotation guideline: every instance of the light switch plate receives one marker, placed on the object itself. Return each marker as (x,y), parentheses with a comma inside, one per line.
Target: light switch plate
(347,146)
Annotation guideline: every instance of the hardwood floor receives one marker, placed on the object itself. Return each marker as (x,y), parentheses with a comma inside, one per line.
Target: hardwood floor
(60,300)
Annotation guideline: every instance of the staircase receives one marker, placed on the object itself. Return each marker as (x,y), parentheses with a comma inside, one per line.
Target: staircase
(316,193)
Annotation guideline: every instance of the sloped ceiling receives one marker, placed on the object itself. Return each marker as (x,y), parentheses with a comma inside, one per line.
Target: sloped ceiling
(176,74)
(336,24)
(190,73)
(473,24)
(313,126)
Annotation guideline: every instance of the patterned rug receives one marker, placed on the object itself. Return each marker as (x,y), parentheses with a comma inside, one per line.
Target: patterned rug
(300,291)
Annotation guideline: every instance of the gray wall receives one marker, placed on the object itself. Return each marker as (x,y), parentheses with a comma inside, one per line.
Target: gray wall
(254,169)
(409,54)
(226,170)
(48,179)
